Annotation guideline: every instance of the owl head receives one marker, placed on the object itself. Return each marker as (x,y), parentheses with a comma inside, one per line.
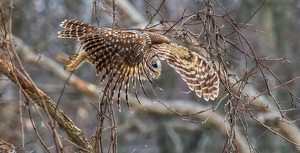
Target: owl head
(152,67)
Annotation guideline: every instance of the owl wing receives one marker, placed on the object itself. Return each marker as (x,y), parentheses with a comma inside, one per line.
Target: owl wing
(119,53)
(194,69)
(104,47)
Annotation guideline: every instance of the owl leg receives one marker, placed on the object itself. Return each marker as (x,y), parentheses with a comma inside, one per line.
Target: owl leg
(76,61)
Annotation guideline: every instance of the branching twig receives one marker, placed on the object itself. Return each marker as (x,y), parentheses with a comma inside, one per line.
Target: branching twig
(65,123)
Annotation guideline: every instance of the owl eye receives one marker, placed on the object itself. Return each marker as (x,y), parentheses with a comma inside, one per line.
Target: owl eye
(154,65)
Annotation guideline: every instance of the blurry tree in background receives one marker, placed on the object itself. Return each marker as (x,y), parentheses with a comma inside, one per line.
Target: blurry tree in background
(257,108)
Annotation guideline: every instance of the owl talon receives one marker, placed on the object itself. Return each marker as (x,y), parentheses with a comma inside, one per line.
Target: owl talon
(69,68)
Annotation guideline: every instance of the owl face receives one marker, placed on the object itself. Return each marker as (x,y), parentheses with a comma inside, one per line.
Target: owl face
(153,68)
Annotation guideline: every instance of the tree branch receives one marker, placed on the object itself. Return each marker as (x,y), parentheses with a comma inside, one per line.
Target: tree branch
(65,123)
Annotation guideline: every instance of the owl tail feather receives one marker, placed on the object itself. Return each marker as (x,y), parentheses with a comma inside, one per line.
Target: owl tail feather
(76,61)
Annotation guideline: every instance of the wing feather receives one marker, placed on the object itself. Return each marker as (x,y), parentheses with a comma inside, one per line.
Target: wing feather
(75,29)
(193,69)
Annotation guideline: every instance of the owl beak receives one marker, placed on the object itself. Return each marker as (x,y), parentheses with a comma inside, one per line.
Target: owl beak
(158,74)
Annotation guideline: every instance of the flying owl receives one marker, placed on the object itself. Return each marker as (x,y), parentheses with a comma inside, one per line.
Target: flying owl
(136,56)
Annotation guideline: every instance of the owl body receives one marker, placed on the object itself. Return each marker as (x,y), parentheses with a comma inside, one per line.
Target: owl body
(123,55)
(135,56)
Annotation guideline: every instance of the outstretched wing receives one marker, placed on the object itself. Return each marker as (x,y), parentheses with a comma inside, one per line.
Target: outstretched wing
(194,69)
(105,47)
(120,54)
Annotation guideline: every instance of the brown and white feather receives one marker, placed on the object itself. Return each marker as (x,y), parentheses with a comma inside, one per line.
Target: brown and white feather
(120,54)
(194,69)
(135,56)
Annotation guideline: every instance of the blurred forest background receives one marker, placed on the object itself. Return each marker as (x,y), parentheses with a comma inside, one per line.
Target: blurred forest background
(273,32)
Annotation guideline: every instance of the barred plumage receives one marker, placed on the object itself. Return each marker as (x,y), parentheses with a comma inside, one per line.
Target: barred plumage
(135,56)
(194,69)
(121,54)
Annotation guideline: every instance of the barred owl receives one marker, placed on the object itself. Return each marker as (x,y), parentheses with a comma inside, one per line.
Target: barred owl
(134,55)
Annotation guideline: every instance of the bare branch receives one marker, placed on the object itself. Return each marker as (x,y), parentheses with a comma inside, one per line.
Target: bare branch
(65,123)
